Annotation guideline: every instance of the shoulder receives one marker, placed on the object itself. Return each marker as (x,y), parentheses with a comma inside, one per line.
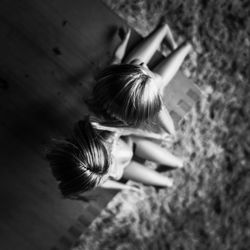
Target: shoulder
(115,60)
(100,124)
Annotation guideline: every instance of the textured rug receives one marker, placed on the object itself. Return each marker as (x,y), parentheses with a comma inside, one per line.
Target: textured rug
(209,206)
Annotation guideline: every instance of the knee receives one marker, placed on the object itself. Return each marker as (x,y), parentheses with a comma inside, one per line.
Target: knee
(180,163)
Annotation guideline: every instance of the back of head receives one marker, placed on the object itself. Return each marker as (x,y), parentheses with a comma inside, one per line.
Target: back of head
(81,162)
(126,94)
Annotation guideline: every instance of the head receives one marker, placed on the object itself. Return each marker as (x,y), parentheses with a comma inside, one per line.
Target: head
(126,94)
(81,162)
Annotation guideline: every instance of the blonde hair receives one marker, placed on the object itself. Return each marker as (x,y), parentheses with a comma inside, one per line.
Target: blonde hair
(125,94)
(82,162)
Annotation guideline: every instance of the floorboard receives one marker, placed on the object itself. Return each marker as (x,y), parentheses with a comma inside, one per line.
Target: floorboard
(50,52)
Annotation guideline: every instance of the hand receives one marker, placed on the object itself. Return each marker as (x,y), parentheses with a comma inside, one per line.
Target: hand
(167,137)
(133,186)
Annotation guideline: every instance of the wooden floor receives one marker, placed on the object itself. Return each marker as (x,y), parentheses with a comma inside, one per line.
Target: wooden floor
(33,216)
(49,52)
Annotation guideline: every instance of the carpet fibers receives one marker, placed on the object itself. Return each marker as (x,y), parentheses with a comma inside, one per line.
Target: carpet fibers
(209,205)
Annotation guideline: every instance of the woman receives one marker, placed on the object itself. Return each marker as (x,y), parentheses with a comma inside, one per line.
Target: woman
(126,96)
(129,94)
(94,157)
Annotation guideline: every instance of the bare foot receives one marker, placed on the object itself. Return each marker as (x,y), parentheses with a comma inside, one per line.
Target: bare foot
(169,39)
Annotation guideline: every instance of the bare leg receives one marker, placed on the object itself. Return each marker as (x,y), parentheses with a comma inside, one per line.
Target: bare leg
(167,69)
(121,49)
(170,40)
(171,64)
(146,49)
(150,150)
(166,122)
(137,172)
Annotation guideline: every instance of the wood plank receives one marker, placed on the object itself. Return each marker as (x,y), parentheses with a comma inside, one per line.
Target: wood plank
(35,105)
(177,97)
(30,31)
(35,75)
(10,240)
(50,51)
(32,206)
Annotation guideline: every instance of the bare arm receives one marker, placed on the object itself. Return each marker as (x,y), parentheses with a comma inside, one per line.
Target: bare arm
(117,185)
(147,134)
(125,131)
(121,49)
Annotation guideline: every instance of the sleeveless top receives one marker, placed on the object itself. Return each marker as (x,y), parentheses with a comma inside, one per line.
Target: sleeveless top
(118,139)
(120,149)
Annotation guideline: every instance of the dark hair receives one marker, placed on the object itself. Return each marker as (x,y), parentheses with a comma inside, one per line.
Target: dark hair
(125,94)
(81,162)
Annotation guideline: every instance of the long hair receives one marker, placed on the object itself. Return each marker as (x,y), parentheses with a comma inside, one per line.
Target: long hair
(79,163)
(125,95)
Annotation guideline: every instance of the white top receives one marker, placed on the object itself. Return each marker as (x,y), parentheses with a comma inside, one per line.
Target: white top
(120,149)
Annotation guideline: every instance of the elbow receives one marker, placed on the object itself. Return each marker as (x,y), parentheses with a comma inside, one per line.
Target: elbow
(169,128)
(167,123)
(172,130)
